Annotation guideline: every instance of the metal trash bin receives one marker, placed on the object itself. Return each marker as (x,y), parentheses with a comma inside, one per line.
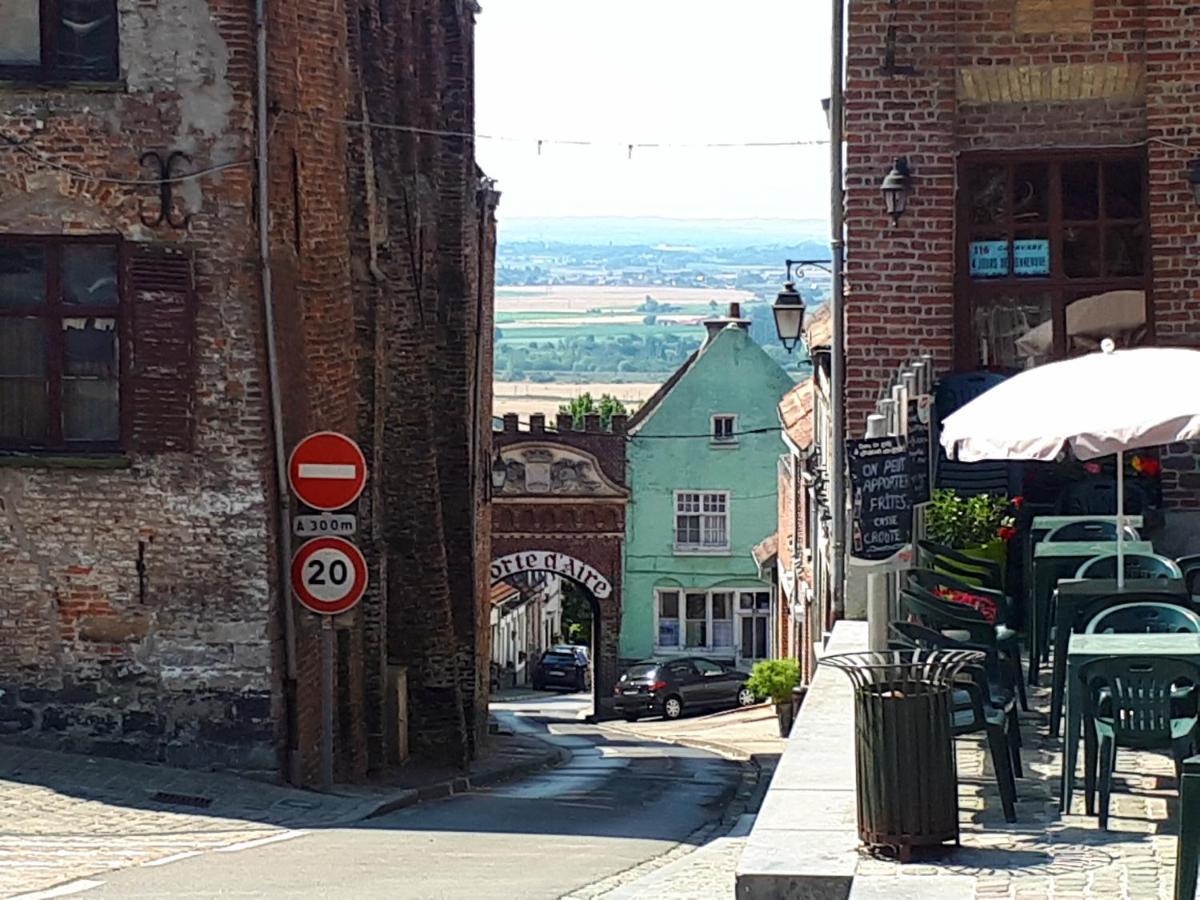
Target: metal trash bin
(904,749)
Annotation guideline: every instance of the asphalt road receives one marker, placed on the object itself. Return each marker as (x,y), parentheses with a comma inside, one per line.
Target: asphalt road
(617,803)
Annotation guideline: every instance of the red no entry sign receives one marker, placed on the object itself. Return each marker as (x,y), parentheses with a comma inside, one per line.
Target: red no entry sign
(327,470)
(329,575)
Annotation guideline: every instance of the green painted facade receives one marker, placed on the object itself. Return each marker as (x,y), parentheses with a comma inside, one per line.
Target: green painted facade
(730,375)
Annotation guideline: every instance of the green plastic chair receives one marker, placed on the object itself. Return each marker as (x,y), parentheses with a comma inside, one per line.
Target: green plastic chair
(1137,565)
(1190,566)
(1091,530)
(979,704)
(1188,855)
(1145,618)
(1128,703)
(973,570)
(929,581)
(964,623)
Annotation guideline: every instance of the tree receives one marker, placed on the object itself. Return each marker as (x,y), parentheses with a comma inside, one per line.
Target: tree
(586,405)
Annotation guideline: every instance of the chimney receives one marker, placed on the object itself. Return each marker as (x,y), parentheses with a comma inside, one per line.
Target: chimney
(719,324)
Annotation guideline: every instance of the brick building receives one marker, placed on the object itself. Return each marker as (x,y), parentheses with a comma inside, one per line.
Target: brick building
(1050,144)
(140,510)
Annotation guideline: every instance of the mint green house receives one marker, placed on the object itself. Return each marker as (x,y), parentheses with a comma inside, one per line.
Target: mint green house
(702,461)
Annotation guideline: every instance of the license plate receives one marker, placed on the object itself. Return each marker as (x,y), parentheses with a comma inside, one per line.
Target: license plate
(553,674)
(632,692)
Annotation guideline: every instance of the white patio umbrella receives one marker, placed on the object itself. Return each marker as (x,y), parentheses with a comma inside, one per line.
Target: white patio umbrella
(1094,405)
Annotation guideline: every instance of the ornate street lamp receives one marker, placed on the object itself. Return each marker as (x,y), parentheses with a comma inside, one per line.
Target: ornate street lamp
(1194,179)
(896,187)
(789,314)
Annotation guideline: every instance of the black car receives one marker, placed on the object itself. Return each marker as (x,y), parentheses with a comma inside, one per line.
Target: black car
(562,667)
(668,688)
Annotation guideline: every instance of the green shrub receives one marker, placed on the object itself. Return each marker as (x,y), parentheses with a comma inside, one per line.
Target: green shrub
(964,522)
(774,679)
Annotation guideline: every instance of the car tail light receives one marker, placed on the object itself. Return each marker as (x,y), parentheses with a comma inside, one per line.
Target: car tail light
(616,689)
(658,686)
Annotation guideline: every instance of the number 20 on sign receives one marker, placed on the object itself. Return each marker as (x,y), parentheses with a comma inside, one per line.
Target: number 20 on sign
(329,575)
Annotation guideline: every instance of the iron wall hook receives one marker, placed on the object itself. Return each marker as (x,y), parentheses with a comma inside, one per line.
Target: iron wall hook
(166,189)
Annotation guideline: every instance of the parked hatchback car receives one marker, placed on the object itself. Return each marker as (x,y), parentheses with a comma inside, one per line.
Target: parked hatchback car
(668,688)
(562,667)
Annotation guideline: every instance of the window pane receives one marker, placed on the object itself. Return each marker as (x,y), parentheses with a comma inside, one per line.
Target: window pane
(91,410)
(1125,250)
(668,632)
(723,634)
(91,347)
(1120,315)
(1031,193)
(987,188)
(91,394)
(687,529)
(22,274)
(24,402)
(721,606)
(696,630)
(89,275)
(1081,191)
(714,531)
(1081,252)
(20,38)
(1014,331)
(668,604)
(1123,189)
(87,36)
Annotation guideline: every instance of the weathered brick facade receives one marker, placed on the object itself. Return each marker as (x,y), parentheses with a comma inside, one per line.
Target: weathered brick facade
(139,588)
(932,80)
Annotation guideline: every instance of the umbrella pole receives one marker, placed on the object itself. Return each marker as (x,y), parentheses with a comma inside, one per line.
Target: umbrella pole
(1120,520)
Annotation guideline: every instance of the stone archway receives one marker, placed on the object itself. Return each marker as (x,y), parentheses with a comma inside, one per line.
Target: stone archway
(562,510)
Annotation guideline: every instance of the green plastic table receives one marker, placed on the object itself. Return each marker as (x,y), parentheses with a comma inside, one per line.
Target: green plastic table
(1050,563)
(1074,595)
(1085,648)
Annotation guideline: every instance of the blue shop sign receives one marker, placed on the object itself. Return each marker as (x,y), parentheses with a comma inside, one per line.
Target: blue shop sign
(989,259)
(1031,257)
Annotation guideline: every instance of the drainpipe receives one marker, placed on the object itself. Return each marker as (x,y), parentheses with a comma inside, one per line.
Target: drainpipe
(837,217)
(281,486)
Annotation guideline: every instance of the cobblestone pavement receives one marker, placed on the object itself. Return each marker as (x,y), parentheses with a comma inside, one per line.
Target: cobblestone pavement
(1046,854)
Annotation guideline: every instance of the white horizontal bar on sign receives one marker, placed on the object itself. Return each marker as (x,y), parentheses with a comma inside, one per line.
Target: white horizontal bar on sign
(328,470)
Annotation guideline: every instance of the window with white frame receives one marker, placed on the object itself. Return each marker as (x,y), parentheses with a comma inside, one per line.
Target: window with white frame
(754,617)
(702,520)
(706,618)
(724,429)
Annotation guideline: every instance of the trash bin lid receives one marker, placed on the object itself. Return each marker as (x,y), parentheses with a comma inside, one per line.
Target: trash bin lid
(928,667)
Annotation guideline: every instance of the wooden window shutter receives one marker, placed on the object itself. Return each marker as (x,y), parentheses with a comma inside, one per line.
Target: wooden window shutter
(160,400)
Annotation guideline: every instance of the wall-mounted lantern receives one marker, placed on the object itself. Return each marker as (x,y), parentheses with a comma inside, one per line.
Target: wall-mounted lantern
(789,314)
(896,187)
(499,474)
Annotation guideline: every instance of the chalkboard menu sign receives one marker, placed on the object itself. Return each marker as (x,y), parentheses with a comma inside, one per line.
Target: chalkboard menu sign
(918,453)
(882,507)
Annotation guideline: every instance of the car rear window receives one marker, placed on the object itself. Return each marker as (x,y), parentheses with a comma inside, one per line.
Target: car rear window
(636,673)
(559,659)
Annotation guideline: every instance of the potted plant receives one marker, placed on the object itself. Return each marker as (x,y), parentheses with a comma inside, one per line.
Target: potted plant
(774,679)
(979,526)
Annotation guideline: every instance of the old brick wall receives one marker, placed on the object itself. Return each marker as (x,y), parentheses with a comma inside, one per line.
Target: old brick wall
(965,75)
(175,665)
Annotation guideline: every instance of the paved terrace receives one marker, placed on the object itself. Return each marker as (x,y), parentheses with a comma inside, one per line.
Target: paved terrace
(805,843)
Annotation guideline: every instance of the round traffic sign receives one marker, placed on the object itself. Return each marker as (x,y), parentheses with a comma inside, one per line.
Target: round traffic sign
(329,575)
(327,470)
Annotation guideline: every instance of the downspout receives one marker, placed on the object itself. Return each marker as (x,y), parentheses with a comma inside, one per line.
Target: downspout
(837,217)
(274,388)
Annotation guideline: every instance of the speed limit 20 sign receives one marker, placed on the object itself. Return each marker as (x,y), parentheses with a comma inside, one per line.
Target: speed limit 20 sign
(329,575)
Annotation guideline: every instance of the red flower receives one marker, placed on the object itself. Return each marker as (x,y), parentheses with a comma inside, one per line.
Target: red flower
(1151,468)
(1092,468)
(1006,533)
(1017,502)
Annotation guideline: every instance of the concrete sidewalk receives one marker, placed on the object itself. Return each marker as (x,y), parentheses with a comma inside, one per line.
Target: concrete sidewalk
(745,734)
(67,816)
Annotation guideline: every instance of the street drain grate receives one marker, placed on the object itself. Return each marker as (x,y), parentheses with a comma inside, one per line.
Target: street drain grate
(181,799)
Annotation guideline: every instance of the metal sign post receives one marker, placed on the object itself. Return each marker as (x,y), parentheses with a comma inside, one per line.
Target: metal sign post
(326,703)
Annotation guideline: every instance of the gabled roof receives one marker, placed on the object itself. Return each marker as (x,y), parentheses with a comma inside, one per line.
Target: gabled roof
(502,592)
(796,414)
(655,399)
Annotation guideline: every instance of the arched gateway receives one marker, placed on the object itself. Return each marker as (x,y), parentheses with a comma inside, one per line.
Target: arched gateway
(562,510)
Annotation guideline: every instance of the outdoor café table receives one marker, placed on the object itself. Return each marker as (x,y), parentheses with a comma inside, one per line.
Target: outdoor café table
(1073,595)
(1085,648)
(1050,563)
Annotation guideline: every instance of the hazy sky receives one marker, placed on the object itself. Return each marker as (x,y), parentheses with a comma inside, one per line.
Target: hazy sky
(678,71)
